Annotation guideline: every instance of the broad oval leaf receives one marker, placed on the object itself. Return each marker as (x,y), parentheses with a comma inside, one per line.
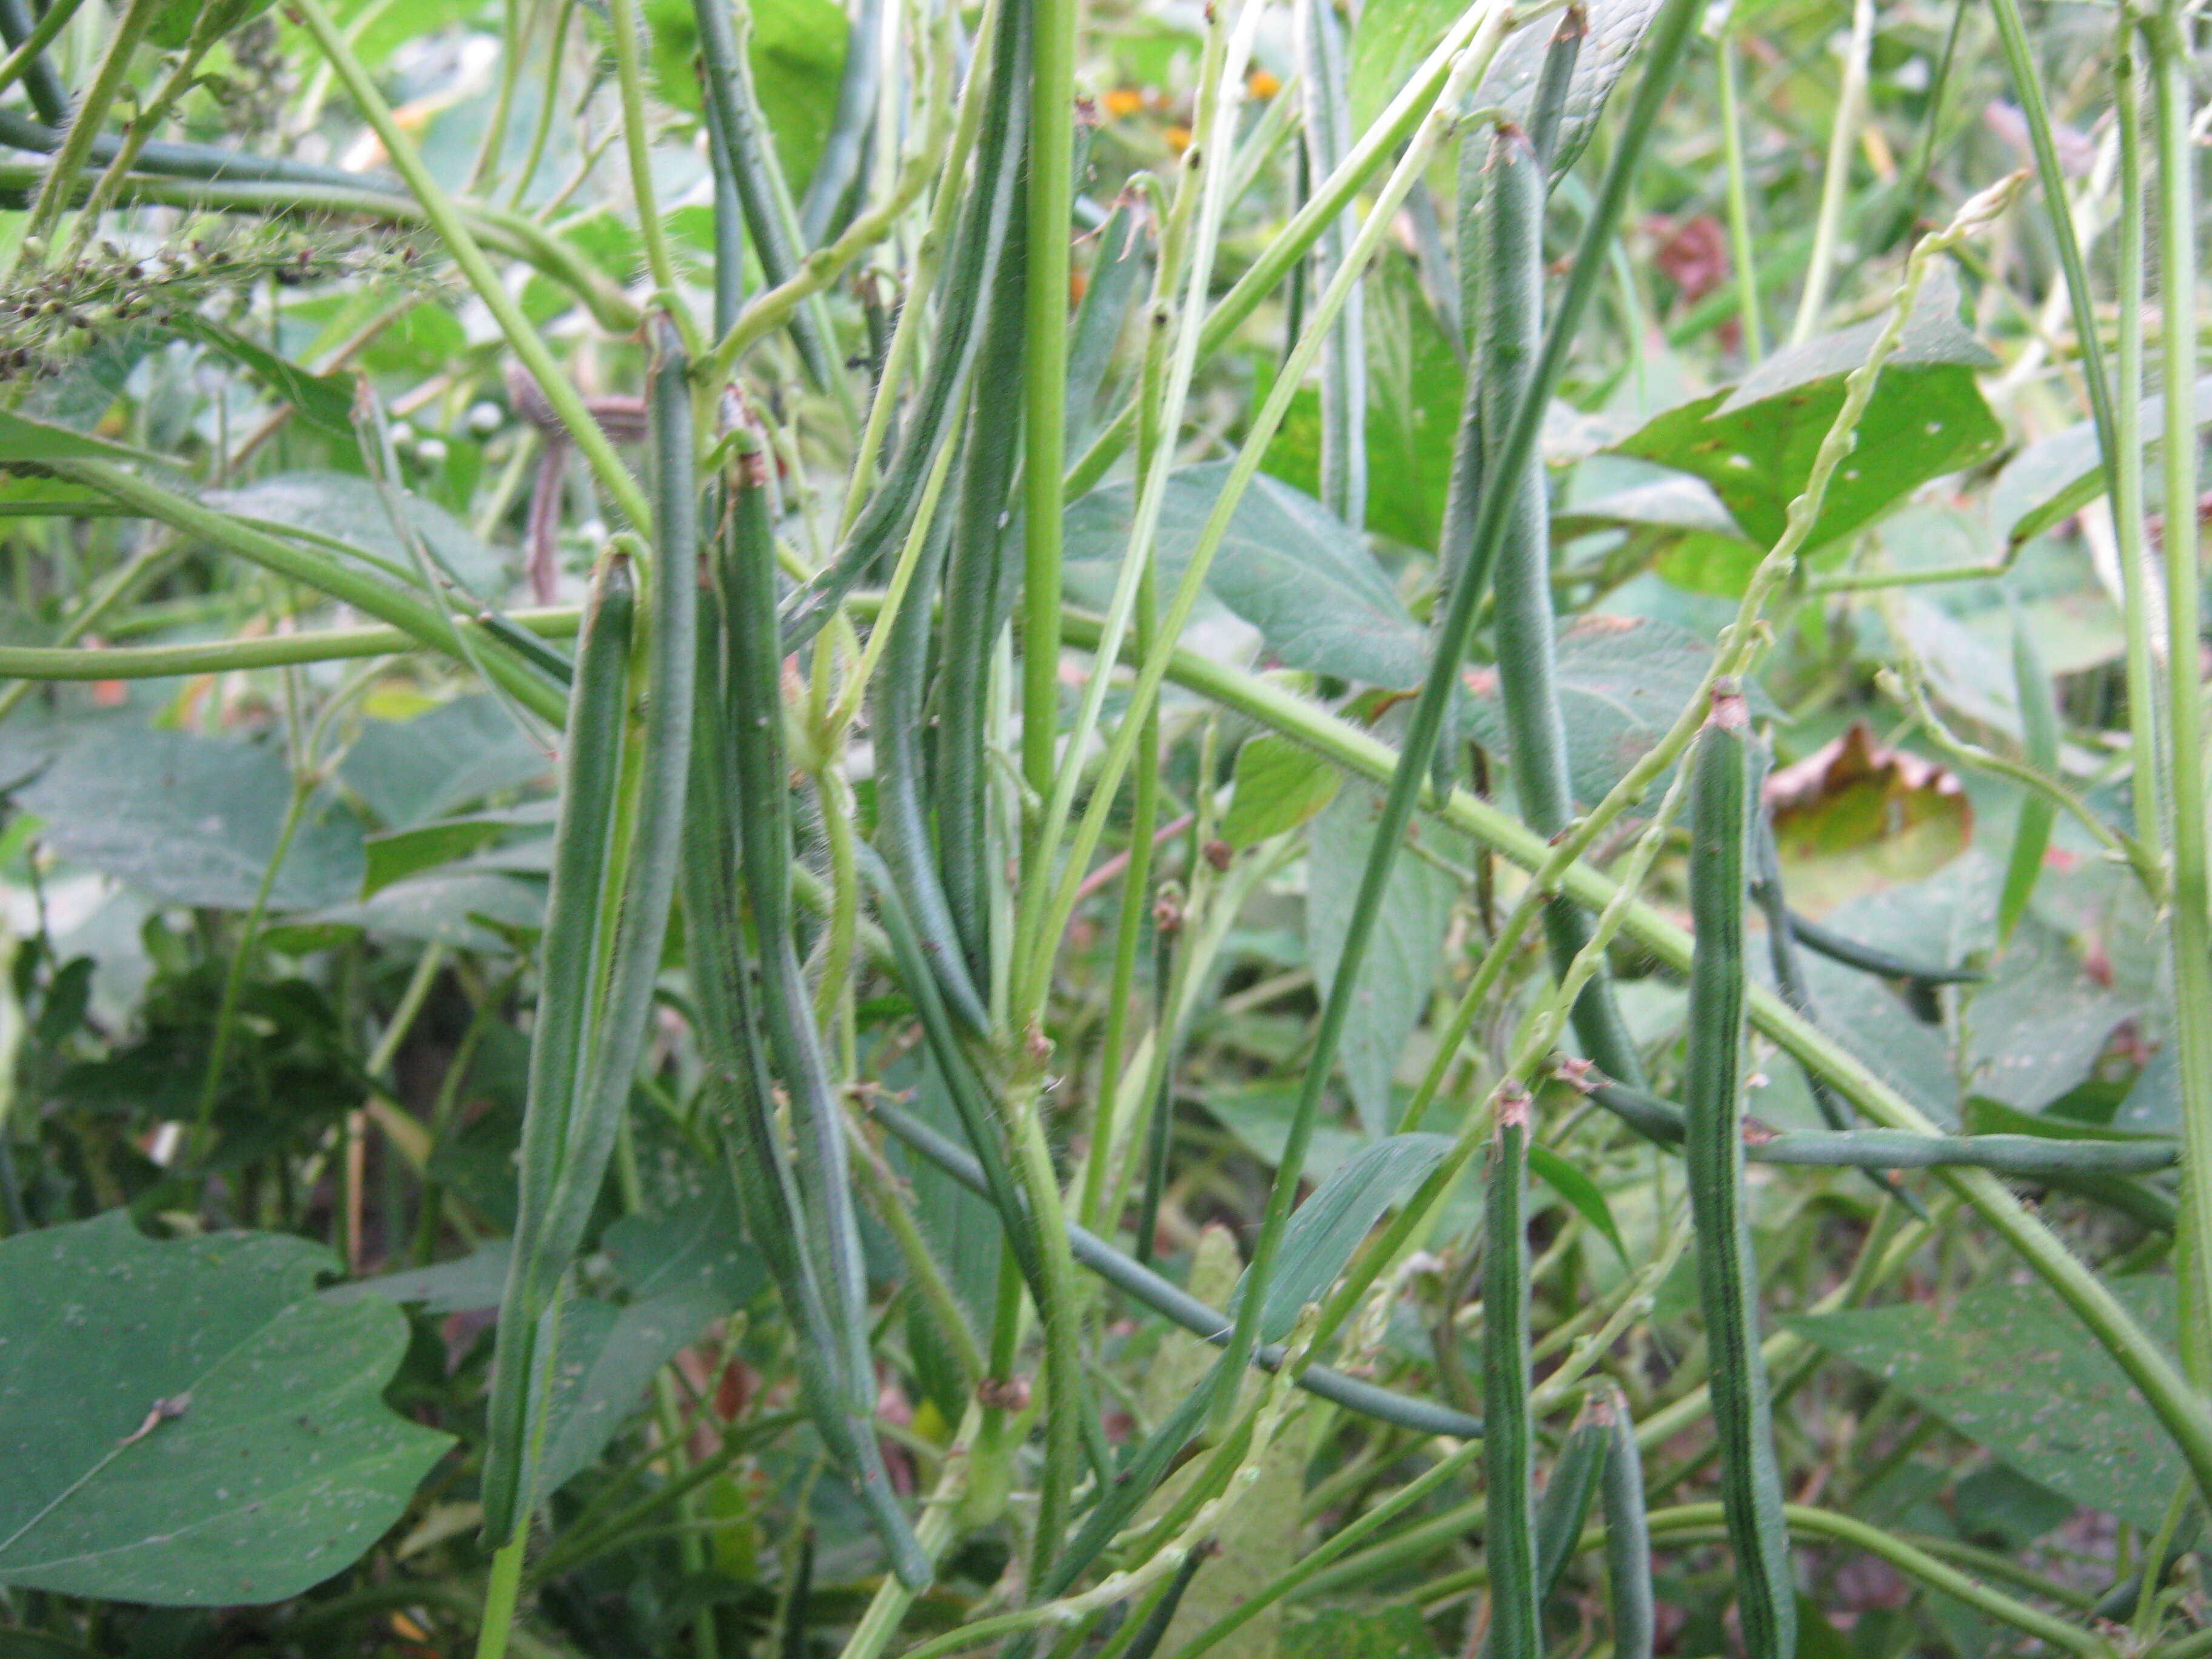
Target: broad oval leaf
(353,511)
(2009,1367)
(1278,785)
(1754,444)
(1288,567)
(1394,985)
(2056,477)
(187,1423)
(193,820)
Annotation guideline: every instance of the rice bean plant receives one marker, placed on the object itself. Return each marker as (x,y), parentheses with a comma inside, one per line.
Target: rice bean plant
(1103,831)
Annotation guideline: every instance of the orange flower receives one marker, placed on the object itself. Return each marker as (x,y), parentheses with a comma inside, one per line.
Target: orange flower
(1124,101)
(1261,84)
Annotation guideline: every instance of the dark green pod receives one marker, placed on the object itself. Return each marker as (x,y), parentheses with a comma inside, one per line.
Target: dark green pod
(1728,1281)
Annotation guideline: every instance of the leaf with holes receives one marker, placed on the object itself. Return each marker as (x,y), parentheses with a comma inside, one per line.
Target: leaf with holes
(188,1424)
(1755,443)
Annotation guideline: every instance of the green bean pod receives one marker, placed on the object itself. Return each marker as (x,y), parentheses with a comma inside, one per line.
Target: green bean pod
(2039,724)
(965,287)
(1509,337)
(754,704)
(737,1084)
(576,926)
(1870,959)
(901,817)
(1508,1541)
(1627,1530)
(1790,980)
(856,112)
(2026,1157)
(978,598)
(1327,111)
(1750,1483)
(729,225)
(1547,109)
(752,167)
(1567,1497)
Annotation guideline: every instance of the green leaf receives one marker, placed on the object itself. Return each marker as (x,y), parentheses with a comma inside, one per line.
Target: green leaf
(1287,566)
(1278,785)
(698,1246)
(1569,1181)
(353,511)
(22,439)
(1756,443)
(2056,477)
(1327,1227)
(1398,1632)
(1415,387)
(469,1284)
(2008,1367)
(267,1463)
(2039,1025)
(1393,36)
(193,820)
(464,909)
(326,400)
(1399,974)
(1622,680)
(410,772)
(606,1360)
(796,49)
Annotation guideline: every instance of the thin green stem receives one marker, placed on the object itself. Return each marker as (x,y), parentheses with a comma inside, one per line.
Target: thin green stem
(2138,592)
(500,1594)
(1742,248)
(2190,925)
(452,228)
(637,147)
(85,120)
(1044,373)
(1835,182)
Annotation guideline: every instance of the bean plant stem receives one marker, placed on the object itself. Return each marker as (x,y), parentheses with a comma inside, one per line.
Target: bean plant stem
(1044,374)
(524,340)
(86,120)
(2190,921)
(1836,183)
(1742,248)
(2137,591)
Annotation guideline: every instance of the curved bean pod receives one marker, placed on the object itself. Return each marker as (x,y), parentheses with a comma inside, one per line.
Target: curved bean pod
(1728,1281)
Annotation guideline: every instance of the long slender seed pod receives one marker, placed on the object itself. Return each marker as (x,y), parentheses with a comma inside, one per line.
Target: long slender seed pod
(754,711)
(1790,980)
(978,598)
(2028,1156)
(1728,1281)
(1669,38)
(1327,113)
(752,167)
(729,225)
(1159,1129)
(655,814)
(2039,724)
(977,1120)
(964,286)
(1170,1301)
(1508,338)
(1869,959)
(840,163)
(901,818)
(1568,1495)
(1548,109)
(1627,1532)
(1509,1539)
(560,1044)
(739,1091)
(48,96)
